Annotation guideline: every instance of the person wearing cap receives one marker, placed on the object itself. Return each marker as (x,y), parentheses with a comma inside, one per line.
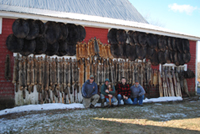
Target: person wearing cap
(124,92)
(105,93)
(137,93)
(89,92)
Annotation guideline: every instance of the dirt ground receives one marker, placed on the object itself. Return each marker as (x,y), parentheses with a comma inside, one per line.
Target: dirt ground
(156,118)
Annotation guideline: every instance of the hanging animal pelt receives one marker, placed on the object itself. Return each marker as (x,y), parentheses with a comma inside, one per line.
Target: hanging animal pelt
(52,49)
(28,47)
(33,29)
(14,44)
(52,32)
(20,28)
(41,45)
(63,31)
(41,26)
(81,33)
(7,67)
(63,48)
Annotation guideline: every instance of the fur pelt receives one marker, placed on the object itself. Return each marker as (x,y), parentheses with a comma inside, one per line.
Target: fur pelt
(14,44)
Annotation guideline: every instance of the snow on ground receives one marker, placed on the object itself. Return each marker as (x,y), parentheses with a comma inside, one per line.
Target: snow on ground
(53,106)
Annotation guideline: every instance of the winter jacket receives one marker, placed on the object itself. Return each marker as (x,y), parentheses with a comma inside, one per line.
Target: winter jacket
(89,89)
(137,91)
(103,89)
(124,89)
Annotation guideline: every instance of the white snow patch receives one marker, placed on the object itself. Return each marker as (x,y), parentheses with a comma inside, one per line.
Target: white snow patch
(52,106)
(163,99)
(39,107)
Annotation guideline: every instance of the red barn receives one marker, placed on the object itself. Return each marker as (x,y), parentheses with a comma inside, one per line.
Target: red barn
(97,17)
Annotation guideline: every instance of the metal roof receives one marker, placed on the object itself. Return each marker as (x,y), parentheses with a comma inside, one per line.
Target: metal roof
(116,9)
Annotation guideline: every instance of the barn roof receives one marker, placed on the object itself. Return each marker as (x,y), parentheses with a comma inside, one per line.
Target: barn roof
(116,9)
(120,14)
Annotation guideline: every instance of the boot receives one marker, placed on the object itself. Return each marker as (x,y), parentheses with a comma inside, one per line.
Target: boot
(102,103)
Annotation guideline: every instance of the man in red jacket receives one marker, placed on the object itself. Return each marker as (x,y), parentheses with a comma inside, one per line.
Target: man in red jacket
(124,92)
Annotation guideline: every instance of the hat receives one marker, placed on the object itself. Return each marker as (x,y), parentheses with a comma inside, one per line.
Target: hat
(107,80)
(136,81)
(91,76)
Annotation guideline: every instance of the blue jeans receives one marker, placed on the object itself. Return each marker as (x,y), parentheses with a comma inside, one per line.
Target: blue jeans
(112,100)
(140,99)
(128,101)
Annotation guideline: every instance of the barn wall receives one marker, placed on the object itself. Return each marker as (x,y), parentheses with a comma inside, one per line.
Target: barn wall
(191,65)
(6,86)
(99,33)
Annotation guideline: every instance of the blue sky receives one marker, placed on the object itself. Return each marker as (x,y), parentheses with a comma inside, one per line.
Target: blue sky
(177,15)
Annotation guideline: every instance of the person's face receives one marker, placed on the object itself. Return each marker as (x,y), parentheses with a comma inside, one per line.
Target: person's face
(91,80)
(106,82)
(136,84)
(123,81)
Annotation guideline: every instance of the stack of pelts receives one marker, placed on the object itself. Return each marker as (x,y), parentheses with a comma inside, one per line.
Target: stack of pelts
(35,37)
(93,48)
(159,49)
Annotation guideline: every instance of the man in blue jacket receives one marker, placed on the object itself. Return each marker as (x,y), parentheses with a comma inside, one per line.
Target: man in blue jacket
(137,93)
(89,92)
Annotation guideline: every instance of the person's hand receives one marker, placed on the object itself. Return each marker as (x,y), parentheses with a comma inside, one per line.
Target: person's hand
(110,95)
(107,91)
(109,86)
(126,98)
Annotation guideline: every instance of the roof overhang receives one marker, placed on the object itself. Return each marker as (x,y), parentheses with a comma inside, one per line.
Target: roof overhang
(88,20)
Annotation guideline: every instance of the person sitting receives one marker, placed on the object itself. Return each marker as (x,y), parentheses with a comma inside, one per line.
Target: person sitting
(124,92)
(89,92)
(137,93)
(105,93)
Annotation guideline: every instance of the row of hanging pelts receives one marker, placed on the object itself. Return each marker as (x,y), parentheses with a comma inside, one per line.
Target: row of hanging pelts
(35,37)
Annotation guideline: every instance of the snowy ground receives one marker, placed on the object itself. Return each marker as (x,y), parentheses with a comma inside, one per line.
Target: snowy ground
(173,117)
(53,106)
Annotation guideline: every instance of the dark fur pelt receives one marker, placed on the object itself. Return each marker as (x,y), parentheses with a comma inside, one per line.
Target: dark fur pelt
(176,60)
(161,57)
(189,74)
(142,38)
(41,45)
(154,59)
(81,33)
(162,43)
(186,46)
(114,50)
(52,49)
(174,44)
(52,32)
(179,45)
(135,38)
(131,52)
(63,48)
(152,41)
(73,34)
(121,36)
(72,49)
(112,36)
(63,31)
(41,26)
(186,57)
(169,43)
(33,29)
(20,28)
(167,56)
(171,56)
(130,37)
(149,52)
(28,48)
(141,52)
(180,59)
(14,44)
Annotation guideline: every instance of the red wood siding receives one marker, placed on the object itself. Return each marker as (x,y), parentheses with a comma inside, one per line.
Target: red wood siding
(191,65)
(6,87)
(99,33)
